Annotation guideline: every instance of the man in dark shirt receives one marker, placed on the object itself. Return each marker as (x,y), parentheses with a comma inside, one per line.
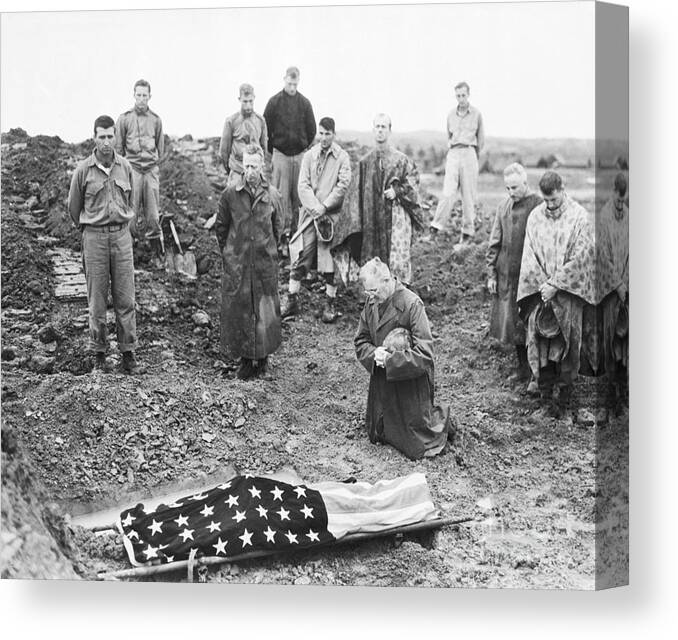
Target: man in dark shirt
(291,131)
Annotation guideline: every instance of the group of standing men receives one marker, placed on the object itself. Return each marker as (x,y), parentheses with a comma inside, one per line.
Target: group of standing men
(559,278)
(558,294)
(305,214)
(114,199)
(307,210)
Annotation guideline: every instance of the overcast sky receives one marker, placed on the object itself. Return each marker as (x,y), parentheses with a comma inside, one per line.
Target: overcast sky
(530,65)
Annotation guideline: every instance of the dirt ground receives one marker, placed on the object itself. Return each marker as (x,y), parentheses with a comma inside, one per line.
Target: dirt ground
(548,498)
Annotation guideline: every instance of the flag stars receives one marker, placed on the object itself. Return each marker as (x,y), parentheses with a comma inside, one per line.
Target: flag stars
(220,546)
(262,512)
(156,527)
(128,520)
(256,493)
(313,536)
(207,511)
(307,511)
(292,537)
(246,538)
(133,535)
(169,558)
(277,493)
(270,534)
(284,514)
(186,534)
(151,552)
(214,526)
(232,501)
(198,496)
(225,485)
(300,491)
(182,521)
(239,515)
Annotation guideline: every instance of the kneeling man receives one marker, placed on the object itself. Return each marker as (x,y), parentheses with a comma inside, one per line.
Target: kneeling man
(400,400)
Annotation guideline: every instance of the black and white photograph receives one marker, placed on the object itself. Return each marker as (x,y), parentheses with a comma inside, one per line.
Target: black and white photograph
(317,296)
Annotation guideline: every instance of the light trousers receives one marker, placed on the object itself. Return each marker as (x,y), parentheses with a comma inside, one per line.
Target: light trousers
(461,173)
(146,204)
(108,261)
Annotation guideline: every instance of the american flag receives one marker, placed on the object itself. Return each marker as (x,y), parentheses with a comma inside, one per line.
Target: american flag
(253,513)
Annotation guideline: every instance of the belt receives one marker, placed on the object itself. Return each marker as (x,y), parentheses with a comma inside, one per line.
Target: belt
(461,146)
(111,228)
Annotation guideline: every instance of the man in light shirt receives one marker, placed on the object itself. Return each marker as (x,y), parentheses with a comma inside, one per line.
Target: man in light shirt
(242,128)
(100,203)
(139,138)
(465,139)
(324,179)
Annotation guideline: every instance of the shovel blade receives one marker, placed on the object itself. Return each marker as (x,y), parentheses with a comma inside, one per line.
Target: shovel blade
(185,264)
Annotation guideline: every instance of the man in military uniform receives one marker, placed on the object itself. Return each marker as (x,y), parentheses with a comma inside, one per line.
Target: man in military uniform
(242,128)
(99,202)
(140,139)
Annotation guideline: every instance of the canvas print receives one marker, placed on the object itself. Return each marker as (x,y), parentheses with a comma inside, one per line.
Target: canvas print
(290,296)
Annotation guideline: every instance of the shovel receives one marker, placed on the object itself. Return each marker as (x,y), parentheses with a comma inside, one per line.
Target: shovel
(182,262)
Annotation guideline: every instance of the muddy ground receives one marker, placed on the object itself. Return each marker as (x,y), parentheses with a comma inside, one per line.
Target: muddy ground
(548,497)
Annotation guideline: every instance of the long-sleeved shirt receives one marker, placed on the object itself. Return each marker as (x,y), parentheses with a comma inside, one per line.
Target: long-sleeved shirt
(324,177)
(98,197)
(290,122)
(139,138)
(467,129)
(239,131)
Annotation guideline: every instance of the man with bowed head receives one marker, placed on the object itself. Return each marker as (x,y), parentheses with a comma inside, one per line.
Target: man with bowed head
(247,229)
(557,277)
(504,254)
(323,181)
(400,407)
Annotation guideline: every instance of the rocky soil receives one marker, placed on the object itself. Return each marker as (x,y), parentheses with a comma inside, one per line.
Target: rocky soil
(548,497)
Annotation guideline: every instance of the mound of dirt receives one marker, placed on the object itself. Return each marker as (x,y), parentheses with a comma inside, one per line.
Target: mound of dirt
(27,276)
(36,541)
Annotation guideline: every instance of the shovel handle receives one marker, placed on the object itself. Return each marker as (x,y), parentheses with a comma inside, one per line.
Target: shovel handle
(175,236)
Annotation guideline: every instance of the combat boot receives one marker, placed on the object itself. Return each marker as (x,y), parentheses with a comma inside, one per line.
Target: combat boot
(329,314)
(100,362)
(246,370)
(129,363)
(290,306)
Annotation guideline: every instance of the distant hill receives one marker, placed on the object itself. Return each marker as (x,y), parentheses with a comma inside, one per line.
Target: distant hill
(529,150)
